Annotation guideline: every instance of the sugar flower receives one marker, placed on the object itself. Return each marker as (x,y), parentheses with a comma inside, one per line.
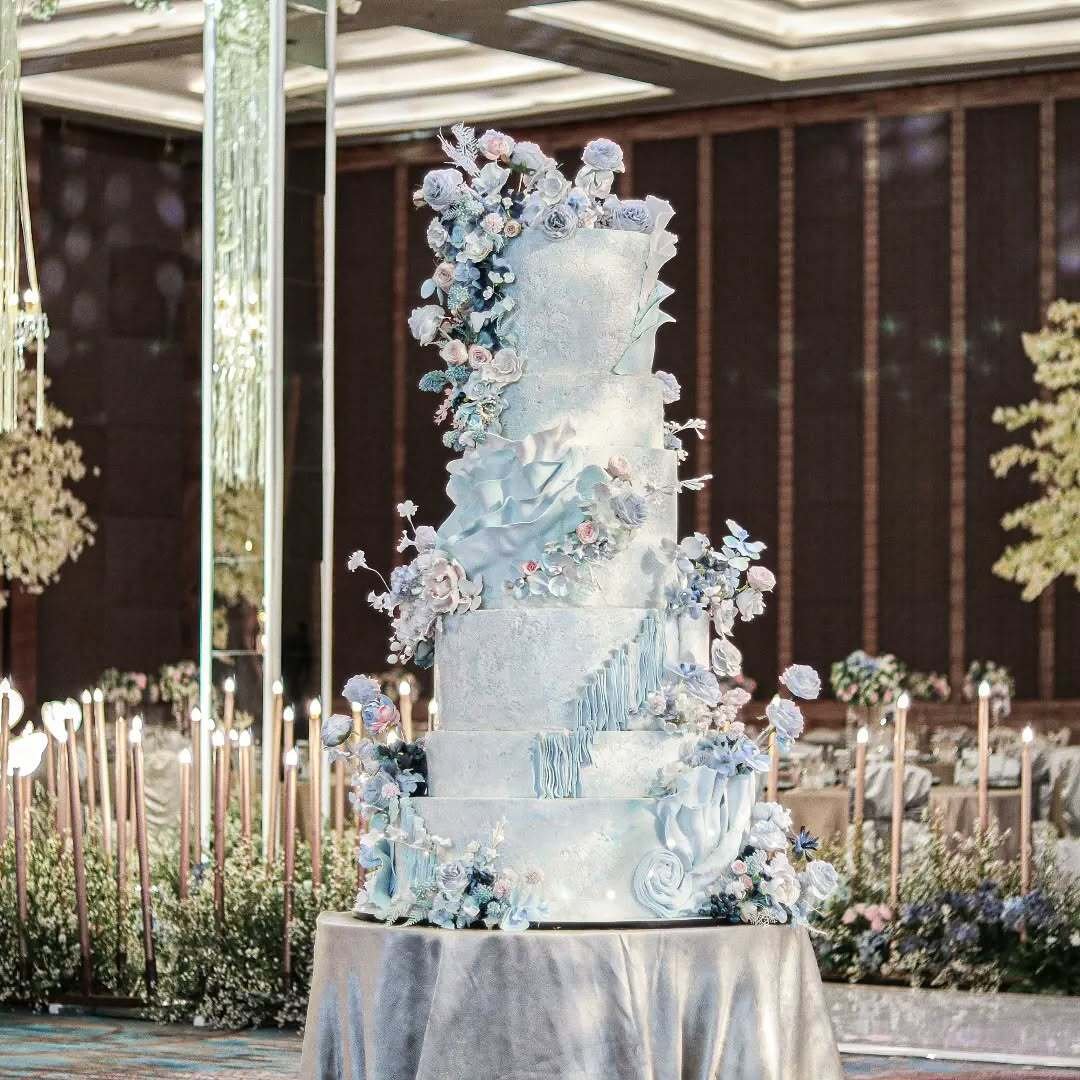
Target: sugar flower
(442,188)
(424,322)
(802,680)
(603,154)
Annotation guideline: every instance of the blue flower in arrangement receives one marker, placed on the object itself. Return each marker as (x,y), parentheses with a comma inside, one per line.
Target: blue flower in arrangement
(805,842)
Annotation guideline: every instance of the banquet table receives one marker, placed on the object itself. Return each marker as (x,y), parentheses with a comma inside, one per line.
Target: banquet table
(959,807)
(824,811)
(695,1002)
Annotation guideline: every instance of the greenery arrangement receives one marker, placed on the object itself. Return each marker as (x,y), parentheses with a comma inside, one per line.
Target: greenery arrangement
(1052,459)
(227,977)
(42,523)
(961,923)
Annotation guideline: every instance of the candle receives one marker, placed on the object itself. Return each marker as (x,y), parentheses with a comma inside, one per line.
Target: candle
(405,708)
(144,854)
(53,717)
(316,786)
(5,729)
(88,750)
(339,800)
(772,787)
(103,773)
(73,715)
(433,715)
(861,741)
(288,740)
(196,778)
(290,857)
(227,722)
(903,703)
(243,763)
(23,899)
(120,750)
(221,753)
(1027,738)
(984,756)
(271,796)
(185,758)
(132,835)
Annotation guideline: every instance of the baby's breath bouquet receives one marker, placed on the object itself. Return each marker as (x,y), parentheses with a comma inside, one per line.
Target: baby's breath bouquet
(42,522)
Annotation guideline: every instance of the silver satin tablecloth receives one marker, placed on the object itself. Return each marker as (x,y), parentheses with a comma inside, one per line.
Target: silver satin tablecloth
(697,1003)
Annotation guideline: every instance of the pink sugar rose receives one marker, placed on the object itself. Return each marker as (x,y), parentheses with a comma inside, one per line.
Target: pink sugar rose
(495,144)
(738,867)
(479,356)
(511,229)
(390,791)
(385,716)
(454,352)
(849,916)
(587,532)
(619,467)
(530,567)
(444,275)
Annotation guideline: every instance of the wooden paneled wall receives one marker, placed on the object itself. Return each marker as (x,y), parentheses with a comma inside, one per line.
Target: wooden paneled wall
(854,273)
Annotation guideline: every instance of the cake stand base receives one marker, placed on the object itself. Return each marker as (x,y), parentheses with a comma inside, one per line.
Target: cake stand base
(672,1003)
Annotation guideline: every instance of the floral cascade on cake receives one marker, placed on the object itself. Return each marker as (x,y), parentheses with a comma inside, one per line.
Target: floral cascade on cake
(590,765)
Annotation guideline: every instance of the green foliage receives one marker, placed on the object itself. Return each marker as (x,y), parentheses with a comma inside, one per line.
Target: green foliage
(230,977)
(1052,460)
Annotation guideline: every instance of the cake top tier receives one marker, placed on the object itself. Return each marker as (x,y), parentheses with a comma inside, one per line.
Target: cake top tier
(535,273)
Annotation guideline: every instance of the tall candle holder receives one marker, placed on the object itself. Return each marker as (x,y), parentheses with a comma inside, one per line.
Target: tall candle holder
(291,761)
(903,703)
(103,773)
(221,795)
(73,716)
(142,846)
(184,759)
(316,785)
(1027,738)
(984,755)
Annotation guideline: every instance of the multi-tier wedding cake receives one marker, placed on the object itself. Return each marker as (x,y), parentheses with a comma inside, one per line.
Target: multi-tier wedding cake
(590,765)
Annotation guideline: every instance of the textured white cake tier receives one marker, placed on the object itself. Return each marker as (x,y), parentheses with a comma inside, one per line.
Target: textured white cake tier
(577,300)
(608,410)
(522,670)
(587,849)
(501,764)
(641,574)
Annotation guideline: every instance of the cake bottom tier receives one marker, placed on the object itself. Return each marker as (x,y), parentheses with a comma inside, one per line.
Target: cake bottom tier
(587,849)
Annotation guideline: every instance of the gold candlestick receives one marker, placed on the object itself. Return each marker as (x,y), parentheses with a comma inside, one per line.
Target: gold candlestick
(88,750)
(82,910)
(143,848)
(1028,737)
(185,759)
(899,765)
(291,760)
(316,784)
(405,704)
(271,797)
(196,779)
(5,736)
(221,754)
(244,767)
(103,774)
(984,756)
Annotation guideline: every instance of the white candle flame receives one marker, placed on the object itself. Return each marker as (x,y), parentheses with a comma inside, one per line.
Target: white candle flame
(86,697)
(196,715)
(99,696)
(135,736)
(136,724)
(218,738)
(315,708)
(404,688)
(863,736)
(234,735)
(230,685)
(984,689)
(184,757)
(277,688)
(245,737)
(292,758)
(904,701)
(1028,735)
(288,714)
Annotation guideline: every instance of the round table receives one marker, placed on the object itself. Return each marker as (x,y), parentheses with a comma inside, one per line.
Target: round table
(959,810)
(824,811)
(694,1002)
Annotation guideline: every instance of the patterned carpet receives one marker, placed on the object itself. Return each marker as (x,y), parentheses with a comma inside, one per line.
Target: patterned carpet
(106,1049)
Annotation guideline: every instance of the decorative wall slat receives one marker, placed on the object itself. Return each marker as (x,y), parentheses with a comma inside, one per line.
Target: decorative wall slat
(745,306)
(871,314)
(828,359)
(785,484)
(958,347)
(914,402)
(1002,238)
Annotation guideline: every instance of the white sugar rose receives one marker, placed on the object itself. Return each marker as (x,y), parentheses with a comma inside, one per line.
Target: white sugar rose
(424,322)
(661,884)
(671,391)
(781,882)
(529,156)
(436,235)
(603,154)
(336,729)
(619,467)
(558,222)
(595,183)
(492,224)
(802,680)
(426,537)
(491,178)
(724,617)
(821,879)
(726,659)
(442,188)
(505,367)
(629,215)
(479,355)
(750,604)
(495,144)
(786,718)
(478,246)
(766,835)
(553,187)
(761,578)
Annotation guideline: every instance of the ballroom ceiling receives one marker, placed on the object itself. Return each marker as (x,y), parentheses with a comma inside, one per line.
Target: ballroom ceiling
(409,65)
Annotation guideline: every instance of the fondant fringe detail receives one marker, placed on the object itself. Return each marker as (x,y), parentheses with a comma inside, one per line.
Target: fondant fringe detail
(417,867)
(557,760)
(619,688)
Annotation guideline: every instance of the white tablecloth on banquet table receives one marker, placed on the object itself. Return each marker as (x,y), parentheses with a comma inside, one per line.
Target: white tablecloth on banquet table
(671,1003)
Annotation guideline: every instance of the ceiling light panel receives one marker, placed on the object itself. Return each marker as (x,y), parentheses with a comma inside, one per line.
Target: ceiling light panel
(104,29)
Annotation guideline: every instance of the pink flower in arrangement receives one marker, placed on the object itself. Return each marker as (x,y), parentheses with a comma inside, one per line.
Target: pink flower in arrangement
(390,791)
(385,716)
(492,223)
(444,275)
(512,228)
(530,567)
(588,533)
(738,867)
(140,681)
(479,356)
(619,467)
(849,916)
(454,352)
